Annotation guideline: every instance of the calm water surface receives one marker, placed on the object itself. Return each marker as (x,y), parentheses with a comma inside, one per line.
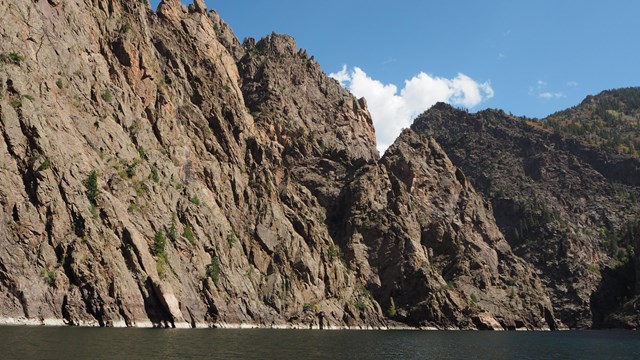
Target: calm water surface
(75,343)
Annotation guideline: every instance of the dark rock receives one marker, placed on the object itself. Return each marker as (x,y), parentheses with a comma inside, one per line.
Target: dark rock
(543,187)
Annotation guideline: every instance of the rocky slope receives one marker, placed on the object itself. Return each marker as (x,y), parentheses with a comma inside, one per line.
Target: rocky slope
(155,171)
(429,249)
(609,120)
(568,208)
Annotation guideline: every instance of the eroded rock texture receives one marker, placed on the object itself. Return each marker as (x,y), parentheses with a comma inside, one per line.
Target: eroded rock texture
(156,171)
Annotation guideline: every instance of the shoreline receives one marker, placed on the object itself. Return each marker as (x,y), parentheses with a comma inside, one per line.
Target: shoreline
(234,326)
(185,325)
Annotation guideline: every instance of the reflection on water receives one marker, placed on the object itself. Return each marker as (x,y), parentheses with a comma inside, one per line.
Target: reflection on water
(84,343)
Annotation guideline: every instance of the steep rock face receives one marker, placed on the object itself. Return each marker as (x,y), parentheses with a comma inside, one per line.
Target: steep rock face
(155,171)
(428,248)
(305,112)
(318,129)
(556,208)
(152,105)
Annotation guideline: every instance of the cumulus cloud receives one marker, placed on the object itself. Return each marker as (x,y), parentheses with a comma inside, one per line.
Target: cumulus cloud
(393,109)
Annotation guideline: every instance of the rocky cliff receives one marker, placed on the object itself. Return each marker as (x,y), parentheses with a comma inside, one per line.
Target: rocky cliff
(155,171)
(428,247)
(563,205)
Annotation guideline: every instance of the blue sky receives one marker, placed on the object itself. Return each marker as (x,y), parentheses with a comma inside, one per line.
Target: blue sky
(529,58)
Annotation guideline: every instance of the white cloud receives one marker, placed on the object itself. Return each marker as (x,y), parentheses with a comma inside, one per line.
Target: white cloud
(551,95)
(342,76)
(572,83)
(393,110)
(540,91)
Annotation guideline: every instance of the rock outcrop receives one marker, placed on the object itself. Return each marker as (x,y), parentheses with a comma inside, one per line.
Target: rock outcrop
(428,247)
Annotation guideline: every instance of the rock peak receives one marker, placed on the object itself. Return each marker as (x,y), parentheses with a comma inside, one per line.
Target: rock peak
(278,44)
(198,6)
(442,106)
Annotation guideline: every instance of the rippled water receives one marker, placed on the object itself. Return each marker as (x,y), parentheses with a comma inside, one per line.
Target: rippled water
(83,343)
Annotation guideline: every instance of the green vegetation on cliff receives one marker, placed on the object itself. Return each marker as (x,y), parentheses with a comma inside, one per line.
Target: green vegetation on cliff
(610,119)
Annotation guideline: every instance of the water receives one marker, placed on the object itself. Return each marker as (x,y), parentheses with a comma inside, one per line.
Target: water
(83,343)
